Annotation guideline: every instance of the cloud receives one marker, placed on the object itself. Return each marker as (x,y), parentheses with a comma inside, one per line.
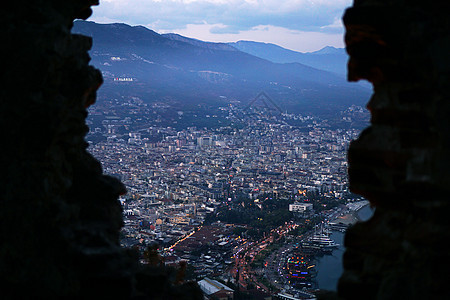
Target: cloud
(224,29)
(336,27)
(274,21)
(306,15)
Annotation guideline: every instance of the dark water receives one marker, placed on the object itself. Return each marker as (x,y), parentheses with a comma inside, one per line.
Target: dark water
(329,267)
(365,213)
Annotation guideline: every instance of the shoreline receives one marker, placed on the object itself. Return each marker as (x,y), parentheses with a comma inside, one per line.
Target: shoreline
(330,268)
(352,217)
(356,212)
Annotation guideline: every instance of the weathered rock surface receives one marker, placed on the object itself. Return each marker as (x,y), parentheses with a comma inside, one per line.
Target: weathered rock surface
(59,215)
(401,162)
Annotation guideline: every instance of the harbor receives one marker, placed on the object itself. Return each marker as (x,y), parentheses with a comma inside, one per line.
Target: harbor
(329,267)
(315,262)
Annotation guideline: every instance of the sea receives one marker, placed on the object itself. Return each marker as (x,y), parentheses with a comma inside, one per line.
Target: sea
(329,267)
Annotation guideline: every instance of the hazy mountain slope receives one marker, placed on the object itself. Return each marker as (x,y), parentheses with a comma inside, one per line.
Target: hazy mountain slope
(199,43)
(187,72)
(329,58)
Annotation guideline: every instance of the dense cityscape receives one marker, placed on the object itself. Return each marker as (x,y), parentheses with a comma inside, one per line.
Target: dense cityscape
(226,198)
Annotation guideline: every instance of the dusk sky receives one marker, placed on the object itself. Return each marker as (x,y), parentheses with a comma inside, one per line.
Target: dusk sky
(301,25)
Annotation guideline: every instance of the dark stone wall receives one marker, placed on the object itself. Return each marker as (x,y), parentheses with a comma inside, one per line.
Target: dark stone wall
(59,215)
(401,163)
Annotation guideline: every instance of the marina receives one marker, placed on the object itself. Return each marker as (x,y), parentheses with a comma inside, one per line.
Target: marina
(315,263)
(329,267)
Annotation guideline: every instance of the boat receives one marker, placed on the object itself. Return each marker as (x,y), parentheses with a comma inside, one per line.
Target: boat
(338,226)
(320,241)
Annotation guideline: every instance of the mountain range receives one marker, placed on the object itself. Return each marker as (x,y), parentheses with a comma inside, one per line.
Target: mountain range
(181,71)
(328,58)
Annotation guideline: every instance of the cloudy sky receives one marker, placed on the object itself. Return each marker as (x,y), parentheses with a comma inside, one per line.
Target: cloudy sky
(301,25)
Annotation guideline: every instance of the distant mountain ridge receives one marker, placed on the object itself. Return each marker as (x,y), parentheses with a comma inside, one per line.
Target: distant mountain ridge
(329,50)
(184,71)
(328,58)
(199,43)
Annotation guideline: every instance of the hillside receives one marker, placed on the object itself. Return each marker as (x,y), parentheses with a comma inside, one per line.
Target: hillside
(139,62)
(328,58)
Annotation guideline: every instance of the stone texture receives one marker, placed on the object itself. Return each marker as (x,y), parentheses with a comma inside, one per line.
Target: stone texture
(401,162)
(59,215)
